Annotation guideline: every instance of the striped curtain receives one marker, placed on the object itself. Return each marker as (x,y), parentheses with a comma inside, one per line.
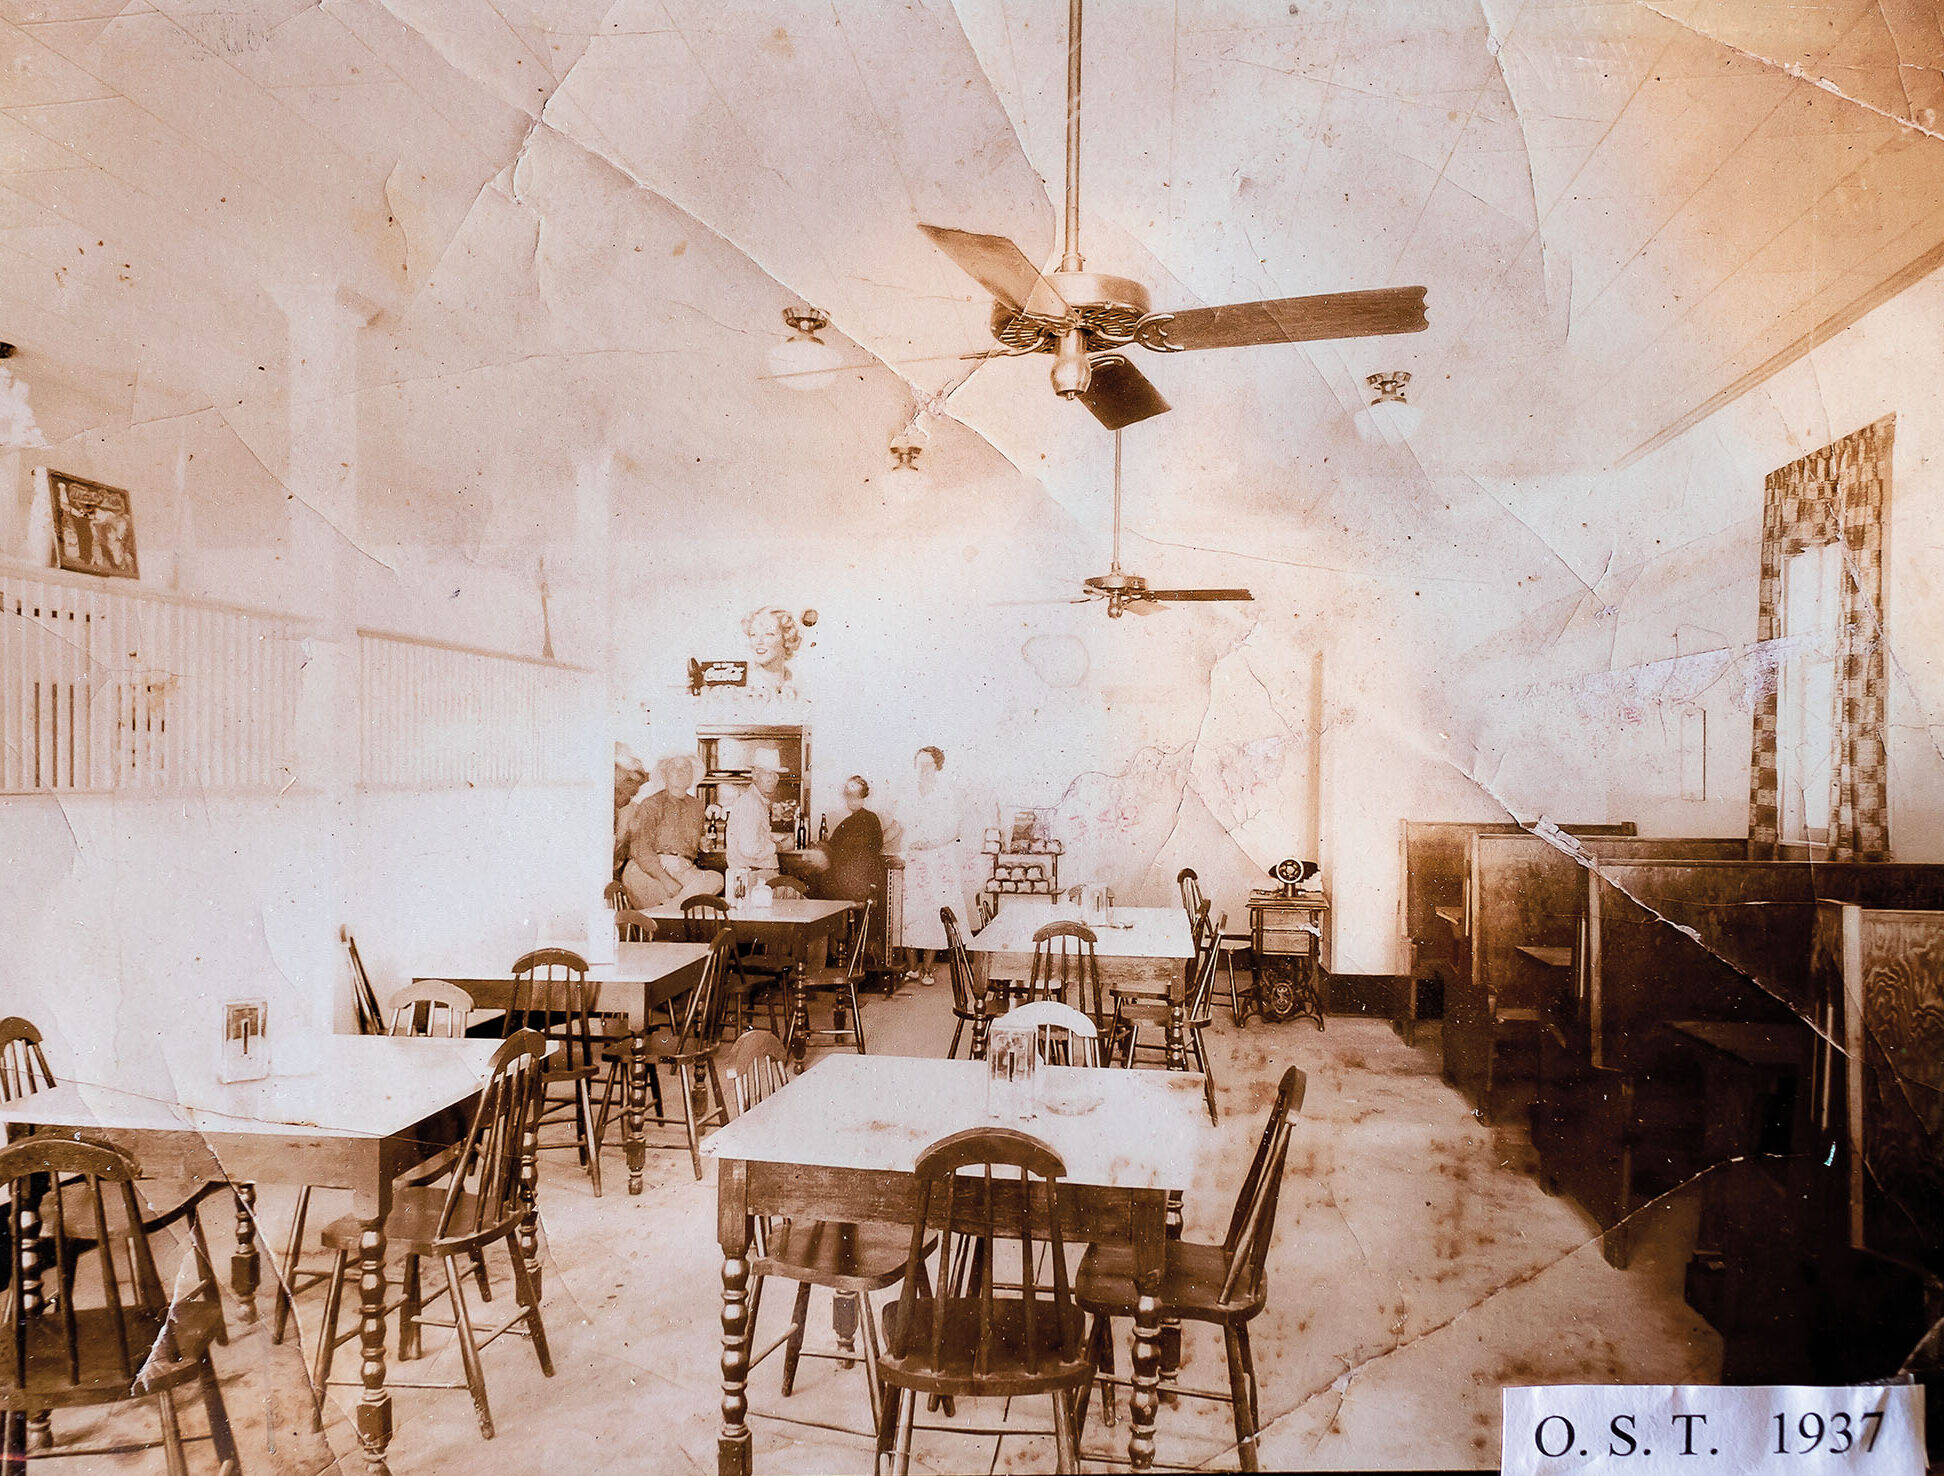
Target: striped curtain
(1837,493)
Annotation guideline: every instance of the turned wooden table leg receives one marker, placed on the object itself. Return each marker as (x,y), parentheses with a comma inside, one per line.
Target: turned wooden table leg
(374,1415)
(799,1016)
(1170,1340)
(634,1129)
(1144,1400)
(39,1431)
(246,1268)
(733,1443)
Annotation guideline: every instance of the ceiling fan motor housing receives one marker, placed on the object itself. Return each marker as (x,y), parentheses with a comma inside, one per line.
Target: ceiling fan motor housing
(1107,309)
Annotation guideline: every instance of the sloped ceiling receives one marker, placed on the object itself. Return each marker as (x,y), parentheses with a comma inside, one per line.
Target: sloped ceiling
(1618,208)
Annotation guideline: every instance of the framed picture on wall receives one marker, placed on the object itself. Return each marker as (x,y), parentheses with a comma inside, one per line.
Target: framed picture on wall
(94,530)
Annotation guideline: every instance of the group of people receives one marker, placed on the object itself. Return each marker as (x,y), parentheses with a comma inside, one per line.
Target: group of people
(658,844)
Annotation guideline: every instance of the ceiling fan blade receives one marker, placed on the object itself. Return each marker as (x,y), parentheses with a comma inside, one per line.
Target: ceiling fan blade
(998,266)
(1196,594)
(1120,394)
(1289,320)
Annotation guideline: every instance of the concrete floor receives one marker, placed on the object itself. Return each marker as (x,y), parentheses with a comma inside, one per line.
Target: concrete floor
(1417,1269)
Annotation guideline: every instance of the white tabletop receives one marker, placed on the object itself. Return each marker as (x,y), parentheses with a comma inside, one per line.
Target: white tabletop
(1143,1129)
(782,910)
(1136,932)
(364,1086)
(634,963)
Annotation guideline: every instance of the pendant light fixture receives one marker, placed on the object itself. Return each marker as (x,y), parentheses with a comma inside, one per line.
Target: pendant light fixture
(1389,419)
(804,361)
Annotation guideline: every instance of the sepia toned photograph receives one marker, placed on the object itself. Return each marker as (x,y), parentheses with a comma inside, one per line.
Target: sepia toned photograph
(1273,680)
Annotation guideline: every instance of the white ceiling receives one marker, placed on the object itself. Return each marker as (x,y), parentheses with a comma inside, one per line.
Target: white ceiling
(579,219)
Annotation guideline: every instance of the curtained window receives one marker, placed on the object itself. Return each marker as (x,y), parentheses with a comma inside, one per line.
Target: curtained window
(1819,774)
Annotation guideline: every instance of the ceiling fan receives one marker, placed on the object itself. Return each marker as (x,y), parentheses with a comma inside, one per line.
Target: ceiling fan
(1123,591)
(1084,318)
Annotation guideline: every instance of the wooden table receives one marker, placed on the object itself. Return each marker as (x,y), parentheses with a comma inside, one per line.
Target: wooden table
(788,927)
(648,976)
(1143,951)
(373,1108)
(840,1143)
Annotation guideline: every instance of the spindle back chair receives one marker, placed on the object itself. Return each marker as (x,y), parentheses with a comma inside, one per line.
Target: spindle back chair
(119,1340)
(430,1008)
(966,1341)
(968,996)
(553,996)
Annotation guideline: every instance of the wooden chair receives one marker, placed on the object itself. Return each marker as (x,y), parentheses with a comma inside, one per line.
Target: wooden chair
(134,1342)
(969,1342)
(553,996)
(1230,944)
(689,1048)
(1064,965)
(430,1008)
(840,984)
(427,1008)
(364,999)
(968,1000)
(631,926)
(1132,1011)
(785,885)
(852,1261)
(616,896)
(1225,1284)
(704,917)
(23,1064)
(486,1200)
(1064,1036)
(24,1072)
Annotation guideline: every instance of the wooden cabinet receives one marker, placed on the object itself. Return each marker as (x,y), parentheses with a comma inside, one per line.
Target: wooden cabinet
(725,771)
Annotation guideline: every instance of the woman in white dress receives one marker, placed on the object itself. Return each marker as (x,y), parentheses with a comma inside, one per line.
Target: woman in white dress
(934,864)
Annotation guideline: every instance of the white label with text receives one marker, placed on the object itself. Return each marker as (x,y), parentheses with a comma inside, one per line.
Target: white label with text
(1699,1429)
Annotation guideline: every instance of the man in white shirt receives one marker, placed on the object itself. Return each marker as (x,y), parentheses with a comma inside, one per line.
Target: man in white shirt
(749,844)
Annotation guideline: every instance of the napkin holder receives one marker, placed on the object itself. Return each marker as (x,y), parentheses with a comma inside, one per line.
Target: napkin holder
(246,1041)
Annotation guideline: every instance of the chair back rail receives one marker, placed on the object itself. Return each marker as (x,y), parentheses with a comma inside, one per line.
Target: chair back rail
(553,995)
(992,1208)
(756,1066)
(1252,1223)
(63,1190)
(1064,962)
(1208,954)
(23,1064)
(632,926)
(700,1024)
(430,1007)
(785,885)
(967,996)
(1063,1035)
(487,1192)
(364,999)
(702,917)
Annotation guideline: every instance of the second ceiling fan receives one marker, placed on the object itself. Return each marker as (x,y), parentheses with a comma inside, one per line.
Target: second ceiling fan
(1085,318)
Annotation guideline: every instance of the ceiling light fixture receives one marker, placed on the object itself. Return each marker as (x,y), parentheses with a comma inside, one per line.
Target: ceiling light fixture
(804,361)
(908,478)
(18,429)
(1389,419)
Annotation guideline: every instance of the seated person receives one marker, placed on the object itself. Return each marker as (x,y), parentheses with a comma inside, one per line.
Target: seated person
(850,864)
(664,836)
(749,843)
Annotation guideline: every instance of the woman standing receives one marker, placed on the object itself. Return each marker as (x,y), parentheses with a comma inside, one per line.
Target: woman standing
(934,867)
(853,861)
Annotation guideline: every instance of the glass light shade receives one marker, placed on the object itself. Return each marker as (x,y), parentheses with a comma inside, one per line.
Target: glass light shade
(805,362)
(1389,422)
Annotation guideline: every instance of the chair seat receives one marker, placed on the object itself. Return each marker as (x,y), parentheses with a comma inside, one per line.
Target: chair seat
(846,1258)
(830,977)
(1191,1284)
(195,1325)
(412,1227)
(1008,1372)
